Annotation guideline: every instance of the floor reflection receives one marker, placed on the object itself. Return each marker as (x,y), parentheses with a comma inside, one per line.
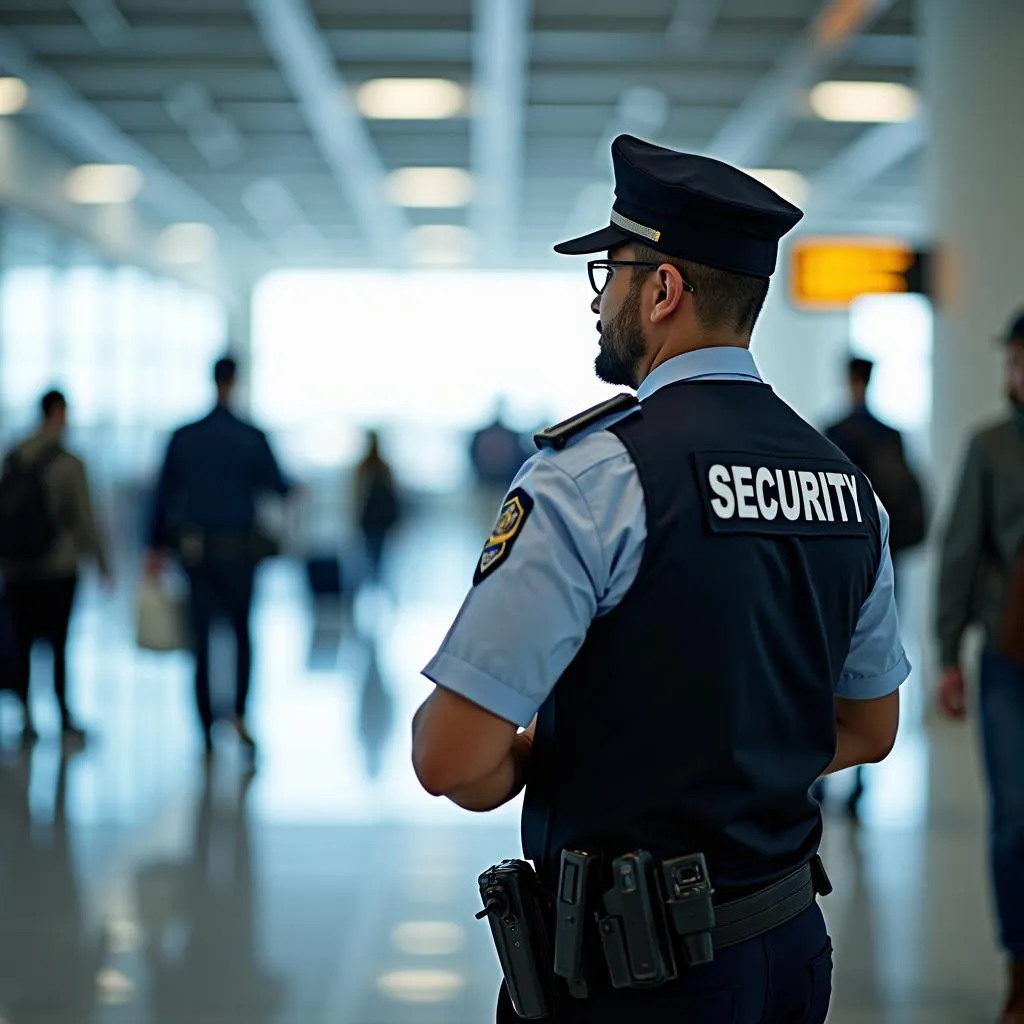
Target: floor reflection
(136,887)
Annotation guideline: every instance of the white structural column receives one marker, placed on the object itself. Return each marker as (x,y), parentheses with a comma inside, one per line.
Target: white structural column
(973,80)
(500,64)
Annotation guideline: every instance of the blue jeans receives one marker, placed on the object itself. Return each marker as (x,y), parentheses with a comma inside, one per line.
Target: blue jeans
(1002,727)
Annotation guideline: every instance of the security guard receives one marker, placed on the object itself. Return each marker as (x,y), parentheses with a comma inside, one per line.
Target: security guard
(686,603)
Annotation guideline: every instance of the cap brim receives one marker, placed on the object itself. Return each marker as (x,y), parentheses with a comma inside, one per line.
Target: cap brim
(597,241)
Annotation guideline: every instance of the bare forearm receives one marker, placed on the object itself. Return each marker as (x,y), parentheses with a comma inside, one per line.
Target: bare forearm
(503,784)
(852,748)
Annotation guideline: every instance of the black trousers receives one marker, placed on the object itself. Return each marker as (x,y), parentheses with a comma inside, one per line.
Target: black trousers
(41,610)
(221,588)
(782,977)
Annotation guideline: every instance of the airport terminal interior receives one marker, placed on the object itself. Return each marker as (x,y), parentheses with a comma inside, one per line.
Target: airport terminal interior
(358,199)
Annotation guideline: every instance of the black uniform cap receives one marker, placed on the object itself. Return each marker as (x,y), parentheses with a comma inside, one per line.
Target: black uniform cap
(692,208)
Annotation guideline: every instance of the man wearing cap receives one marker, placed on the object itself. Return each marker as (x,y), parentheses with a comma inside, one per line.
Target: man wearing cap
(686,602)
(981,581)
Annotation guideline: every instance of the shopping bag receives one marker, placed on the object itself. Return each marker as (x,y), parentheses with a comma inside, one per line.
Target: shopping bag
(160,620)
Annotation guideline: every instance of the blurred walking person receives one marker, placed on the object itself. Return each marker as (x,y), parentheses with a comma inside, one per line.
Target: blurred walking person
(204,512)
(47,525)
(981,582)
(876,449)
(378,508)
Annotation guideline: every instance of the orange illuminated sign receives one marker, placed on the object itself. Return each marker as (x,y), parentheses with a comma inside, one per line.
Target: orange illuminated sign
(829,273)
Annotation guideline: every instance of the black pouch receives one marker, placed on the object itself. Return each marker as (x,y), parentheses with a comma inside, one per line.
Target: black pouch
(521,915)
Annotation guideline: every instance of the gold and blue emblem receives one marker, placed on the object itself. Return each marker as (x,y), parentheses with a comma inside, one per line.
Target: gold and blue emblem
(514,512)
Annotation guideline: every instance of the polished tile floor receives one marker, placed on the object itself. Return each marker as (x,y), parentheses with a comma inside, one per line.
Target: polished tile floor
(325,888)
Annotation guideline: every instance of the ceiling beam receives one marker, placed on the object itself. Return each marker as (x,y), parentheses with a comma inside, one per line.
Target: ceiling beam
(862,162)
(358,47)
(500,66)
(89,135)
(692,24)
(748,137)
(292,36)
(103,19)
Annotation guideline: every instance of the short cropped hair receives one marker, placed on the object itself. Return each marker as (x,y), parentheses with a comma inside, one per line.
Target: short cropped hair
(51,402)
(721,298)
(860,370)
(225,371)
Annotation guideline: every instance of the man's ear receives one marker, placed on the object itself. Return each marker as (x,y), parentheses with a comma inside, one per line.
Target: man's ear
(670,295)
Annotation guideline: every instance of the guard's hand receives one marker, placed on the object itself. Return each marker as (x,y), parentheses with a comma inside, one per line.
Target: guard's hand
(951,694)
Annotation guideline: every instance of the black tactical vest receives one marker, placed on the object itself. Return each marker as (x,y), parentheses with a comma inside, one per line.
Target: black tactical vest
(699,712)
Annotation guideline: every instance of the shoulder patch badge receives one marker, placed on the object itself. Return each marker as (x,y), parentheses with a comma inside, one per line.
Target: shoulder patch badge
(514,512)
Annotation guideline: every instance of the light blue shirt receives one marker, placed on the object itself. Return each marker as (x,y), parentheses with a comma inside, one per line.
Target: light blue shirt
(578,554)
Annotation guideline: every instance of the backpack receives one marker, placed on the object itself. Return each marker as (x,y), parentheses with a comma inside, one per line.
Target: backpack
(900,492)
(28,526)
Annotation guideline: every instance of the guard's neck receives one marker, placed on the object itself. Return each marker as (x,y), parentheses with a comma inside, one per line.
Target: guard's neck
(706,339)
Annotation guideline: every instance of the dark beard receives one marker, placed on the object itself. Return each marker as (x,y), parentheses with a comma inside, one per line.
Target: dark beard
(622,344)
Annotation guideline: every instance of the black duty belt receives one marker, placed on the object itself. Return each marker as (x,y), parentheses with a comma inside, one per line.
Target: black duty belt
(660,916)
(760,912)
(658,919)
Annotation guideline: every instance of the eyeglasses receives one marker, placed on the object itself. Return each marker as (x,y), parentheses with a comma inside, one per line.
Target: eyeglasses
(600,272)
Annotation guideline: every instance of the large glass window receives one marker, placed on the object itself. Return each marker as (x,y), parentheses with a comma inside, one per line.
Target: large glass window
(426,354)
(27,304)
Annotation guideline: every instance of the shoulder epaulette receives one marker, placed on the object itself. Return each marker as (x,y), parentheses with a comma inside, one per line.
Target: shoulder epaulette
(559,435)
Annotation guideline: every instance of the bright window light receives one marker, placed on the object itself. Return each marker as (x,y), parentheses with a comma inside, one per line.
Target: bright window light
(414,99)
(449,361)
(103,183)
(441,245)
(430,187)
(187,243)
(790,185)
(13,96)
(874,102)
(895,332)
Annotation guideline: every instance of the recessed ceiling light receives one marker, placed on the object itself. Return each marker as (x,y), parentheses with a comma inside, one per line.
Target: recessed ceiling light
(433,187)
(13,96)
(874,102)
(187,243)
(413,99)
(103,183)
(441,245)
(791,185)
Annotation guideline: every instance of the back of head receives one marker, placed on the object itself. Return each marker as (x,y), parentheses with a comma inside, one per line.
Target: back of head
(723,300)
(54,407)
(859,370)
(225,372)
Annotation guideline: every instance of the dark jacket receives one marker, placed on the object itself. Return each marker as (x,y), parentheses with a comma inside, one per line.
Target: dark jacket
(212,474)
(855,435)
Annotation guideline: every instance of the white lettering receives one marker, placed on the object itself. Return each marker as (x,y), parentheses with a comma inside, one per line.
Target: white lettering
(769,507)
(851,483)
(827,497)
(744,491)
(725,504)
(837,480)
(791,510)
(810,488)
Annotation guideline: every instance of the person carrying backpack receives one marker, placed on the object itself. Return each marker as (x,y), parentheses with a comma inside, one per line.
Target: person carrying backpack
(46,526)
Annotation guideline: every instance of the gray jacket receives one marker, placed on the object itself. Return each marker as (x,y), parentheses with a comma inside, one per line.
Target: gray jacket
(984,536)
(68,488)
